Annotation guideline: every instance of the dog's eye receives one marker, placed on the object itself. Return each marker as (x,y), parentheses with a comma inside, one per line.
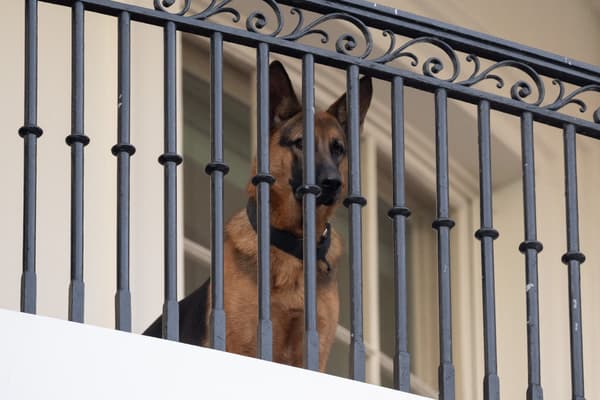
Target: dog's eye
(337,149)
(298,143)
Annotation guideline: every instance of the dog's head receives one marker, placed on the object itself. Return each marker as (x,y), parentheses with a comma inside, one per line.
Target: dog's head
(286,146)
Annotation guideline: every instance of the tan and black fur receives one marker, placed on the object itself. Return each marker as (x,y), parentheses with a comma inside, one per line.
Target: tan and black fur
(287,276)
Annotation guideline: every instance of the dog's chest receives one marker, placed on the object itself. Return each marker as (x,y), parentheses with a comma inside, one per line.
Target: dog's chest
(287,291)
(287,288)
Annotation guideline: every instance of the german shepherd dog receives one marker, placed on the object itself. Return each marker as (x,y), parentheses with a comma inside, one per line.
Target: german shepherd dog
(286,272)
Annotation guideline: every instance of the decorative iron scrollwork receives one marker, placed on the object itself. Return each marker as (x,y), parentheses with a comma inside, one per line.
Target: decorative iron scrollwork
(345,43)
(220,8)
(212,9)
(432,66)
(446,68)
(164,5)
(562,100)
(520,90)
(257,20)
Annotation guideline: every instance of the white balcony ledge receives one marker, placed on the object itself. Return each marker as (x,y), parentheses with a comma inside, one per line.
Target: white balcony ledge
(45,358)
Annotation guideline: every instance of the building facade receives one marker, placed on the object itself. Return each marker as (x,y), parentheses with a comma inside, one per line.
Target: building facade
(560,27)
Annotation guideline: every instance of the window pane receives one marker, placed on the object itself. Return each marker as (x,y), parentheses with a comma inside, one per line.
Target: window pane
(196,151)
(338,359)
(196,272)
(386,279)
(387,379)
(340,224)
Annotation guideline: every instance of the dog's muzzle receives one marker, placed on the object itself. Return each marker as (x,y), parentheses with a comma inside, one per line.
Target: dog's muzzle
(330,187)
(330,190)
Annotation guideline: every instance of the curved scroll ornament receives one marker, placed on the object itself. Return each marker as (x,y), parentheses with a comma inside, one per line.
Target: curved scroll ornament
(163,5)
(347,44)
(213,8)
(562,100)
(257,21)
(520,90)
(344,44)
(432,66)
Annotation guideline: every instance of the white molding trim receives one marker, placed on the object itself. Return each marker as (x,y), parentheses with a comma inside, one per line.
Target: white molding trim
(387,363)
(196,251)
(370,234)
(54,359)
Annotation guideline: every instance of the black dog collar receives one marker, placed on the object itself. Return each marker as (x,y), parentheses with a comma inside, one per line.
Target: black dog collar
(287,242)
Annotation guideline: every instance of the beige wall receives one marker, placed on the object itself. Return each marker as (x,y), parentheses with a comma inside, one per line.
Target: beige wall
(552,282)
(100,168)
(550,28)
(564,28)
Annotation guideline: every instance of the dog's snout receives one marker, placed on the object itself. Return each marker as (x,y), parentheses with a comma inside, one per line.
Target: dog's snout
(329,179)
(331,184)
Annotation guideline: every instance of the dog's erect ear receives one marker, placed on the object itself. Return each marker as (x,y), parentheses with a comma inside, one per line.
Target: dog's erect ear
(339,109)
(283,103)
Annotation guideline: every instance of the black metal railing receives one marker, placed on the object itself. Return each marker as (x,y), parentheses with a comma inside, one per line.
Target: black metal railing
(217,170)
(487,234)
(262,181)
(399,214)
(353,52)
(309,200)
(123,150)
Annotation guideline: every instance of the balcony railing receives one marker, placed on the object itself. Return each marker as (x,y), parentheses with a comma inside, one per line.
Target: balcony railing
(281,27)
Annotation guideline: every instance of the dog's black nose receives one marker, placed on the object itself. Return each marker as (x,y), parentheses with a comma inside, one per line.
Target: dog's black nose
(331,185)
(330,182)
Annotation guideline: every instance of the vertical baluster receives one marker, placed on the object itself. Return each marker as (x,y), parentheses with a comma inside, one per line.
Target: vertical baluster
(487,234)
(531,247)
(443,224)
(263,180)
(77,140)
(30,132)
(399,214)
(309,194)
(170,160)
(354,202)
(573,258)
(217,170)
(123,150)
